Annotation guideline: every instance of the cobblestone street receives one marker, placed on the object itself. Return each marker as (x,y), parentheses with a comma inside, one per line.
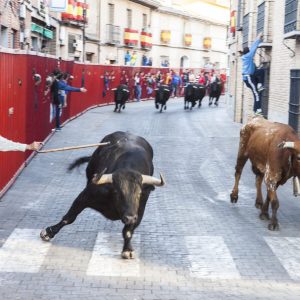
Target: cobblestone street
(192,244)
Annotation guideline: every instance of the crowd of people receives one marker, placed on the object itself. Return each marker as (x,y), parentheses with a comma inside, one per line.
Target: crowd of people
(143,83)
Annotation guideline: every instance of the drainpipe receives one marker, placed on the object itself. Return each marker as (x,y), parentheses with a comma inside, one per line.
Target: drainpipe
(99,30)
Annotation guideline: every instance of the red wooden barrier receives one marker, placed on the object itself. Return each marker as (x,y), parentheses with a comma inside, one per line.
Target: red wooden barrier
(25,112)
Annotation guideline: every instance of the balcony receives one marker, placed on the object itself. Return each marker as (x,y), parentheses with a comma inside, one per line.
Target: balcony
(292,19)
(112,34)
(148,3)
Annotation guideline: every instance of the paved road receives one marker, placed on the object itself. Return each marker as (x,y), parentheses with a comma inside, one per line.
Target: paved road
(192,243)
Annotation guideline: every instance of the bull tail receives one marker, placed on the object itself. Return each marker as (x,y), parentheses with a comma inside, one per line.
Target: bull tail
(79,162)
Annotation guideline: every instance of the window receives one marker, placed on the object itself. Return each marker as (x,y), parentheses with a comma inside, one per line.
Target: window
(34,43)
(111,13)
(294,99)
(245,30)
(14,39)
(129,18)
(240,13)
(290,19)
(4,36)
(71,43)
(260,18)
(145,25)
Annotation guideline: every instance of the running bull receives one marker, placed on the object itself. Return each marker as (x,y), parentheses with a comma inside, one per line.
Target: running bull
(162,95)
(192,93)
(274,151)
(121,96)
(119,182)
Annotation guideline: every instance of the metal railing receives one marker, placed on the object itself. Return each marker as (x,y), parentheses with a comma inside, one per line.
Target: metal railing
(113,34)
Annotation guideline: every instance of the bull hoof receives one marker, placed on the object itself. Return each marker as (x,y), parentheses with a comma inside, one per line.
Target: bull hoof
(273,227)
(264,216)
(156,106)
(258,204)
(233,198)
(128,254)
(115,110)
(210,103)
(123,107)
(45,236)
(165,107)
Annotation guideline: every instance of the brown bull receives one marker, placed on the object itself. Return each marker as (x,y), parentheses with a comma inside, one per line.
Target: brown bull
(273,149)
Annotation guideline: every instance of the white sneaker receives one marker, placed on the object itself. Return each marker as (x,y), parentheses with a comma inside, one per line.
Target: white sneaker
(260,87)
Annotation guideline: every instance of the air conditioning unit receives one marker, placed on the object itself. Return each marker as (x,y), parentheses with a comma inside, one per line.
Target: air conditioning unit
(22,11)
(78,45)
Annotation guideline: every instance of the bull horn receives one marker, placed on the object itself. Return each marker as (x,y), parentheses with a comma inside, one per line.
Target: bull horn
(105,178)
(153,180)
(287,145)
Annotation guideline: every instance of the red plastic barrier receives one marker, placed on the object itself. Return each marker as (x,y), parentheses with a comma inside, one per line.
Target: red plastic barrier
(25,111)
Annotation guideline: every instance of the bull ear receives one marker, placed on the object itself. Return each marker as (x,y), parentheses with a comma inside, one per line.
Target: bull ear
(153,180)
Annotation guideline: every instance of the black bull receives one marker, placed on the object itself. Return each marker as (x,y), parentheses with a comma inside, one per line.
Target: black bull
(119,182)
(192,93)
(162,95)
(215,91)
(121,96)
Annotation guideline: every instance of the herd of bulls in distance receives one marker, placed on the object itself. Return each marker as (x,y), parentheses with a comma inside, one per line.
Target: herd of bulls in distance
(193,92)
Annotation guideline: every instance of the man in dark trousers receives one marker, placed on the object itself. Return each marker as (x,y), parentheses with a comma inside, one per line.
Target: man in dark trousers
(252,76)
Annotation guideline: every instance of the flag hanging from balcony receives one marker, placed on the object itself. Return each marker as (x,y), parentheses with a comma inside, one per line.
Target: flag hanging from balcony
(187,39)
(207,43)
(165,36)
(146,40)
(131,37)
(232,22)
(69,14)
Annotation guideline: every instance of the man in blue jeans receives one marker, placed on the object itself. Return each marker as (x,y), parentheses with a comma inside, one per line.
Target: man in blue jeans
(253,77)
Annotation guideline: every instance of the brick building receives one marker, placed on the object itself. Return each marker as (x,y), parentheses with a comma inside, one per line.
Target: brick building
(278,54)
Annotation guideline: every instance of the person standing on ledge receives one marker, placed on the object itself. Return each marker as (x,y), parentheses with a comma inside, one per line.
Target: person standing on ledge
(252,76)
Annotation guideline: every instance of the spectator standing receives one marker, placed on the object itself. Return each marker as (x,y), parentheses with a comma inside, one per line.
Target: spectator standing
(127,58)
(144,60)
(176,82)
(137,87)
(133,59)
(158,79)
(57,97)
(105,84)
(124,78)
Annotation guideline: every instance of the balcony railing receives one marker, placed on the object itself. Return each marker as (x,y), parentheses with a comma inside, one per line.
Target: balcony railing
(112,34)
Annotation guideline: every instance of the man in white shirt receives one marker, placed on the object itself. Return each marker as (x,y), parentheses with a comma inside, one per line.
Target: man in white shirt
(8,145)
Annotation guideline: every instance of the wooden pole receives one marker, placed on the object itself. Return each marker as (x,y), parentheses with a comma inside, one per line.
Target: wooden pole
(73,147)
